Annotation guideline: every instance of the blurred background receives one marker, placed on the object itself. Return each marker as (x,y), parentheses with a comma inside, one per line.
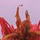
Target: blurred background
(8,10)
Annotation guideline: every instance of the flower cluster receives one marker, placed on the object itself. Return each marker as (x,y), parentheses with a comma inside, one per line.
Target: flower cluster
(24,31)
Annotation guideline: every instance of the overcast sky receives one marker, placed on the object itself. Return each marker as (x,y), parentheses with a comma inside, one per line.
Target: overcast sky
(8,10)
